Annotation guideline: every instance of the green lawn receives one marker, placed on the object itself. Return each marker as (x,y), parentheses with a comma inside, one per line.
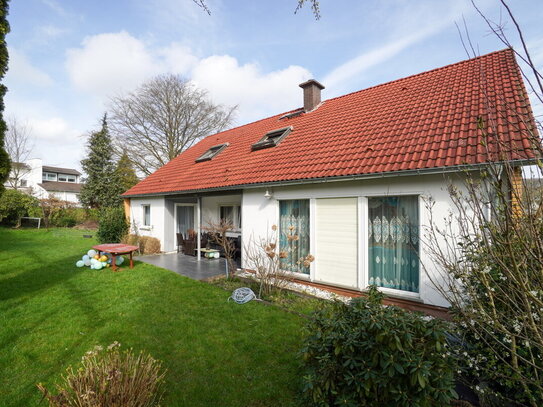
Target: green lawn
(217,353)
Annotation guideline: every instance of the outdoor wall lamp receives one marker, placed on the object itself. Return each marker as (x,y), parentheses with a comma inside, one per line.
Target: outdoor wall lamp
(268,194)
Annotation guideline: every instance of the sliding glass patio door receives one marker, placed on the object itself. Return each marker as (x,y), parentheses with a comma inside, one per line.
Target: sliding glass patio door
(184,219)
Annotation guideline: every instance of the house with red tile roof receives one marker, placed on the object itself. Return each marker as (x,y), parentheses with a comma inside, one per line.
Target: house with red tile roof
(350,175)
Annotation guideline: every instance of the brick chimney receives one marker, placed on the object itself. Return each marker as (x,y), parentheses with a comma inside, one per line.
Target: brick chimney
(312,94)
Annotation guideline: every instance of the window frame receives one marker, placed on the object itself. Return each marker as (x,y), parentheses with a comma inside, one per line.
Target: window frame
(144,218)
(66,178)
(212,152)
(310,274)
(365,246)
(272,138)
(236,214)
(49,176)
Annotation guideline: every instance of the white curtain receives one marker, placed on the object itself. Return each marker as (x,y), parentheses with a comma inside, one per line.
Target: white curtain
(185,219)
(394,242)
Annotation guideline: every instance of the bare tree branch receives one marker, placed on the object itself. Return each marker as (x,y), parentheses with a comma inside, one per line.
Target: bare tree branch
(163,117)
(19,146)
(203,5)
(314,7)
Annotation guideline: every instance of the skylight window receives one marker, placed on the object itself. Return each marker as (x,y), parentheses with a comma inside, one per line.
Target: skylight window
(291,115)
(212,152)
(272,138)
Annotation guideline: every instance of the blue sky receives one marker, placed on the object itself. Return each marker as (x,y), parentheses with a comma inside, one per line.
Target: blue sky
(67,58)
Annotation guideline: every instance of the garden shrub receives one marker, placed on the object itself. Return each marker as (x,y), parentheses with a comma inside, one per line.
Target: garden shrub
(367,354)
(71,216)
(66,220)
(109,377)
(15,204)
(500,351)
(112,225)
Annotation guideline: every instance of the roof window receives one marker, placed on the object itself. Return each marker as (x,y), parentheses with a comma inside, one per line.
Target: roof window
(291,115)
(272,138)
(212,152)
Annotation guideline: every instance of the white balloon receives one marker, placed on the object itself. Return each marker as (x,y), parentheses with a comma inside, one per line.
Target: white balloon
(91,253)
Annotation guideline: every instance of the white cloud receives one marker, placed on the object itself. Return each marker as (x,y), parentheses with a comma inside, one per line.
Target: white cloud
(53,129)
(177,58)
(258,94)
(55,140)
(403,27)
(57,143)
(343,73)
(57,8)
(49,31)
(107,64)
(21,70)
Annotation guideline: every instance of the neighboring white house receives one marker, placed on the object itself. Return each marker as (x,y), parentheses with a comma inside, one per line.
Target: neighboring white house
(43,181)
(351,174)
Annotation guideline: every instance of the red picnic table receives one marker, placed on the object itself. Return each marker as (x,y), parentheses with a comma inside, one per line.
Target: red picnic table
(116,249)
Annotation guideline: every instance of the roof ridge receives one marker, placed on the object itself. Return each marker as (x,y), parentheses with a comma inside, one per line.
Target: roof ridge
(366,89)
(423,73)
(331,142)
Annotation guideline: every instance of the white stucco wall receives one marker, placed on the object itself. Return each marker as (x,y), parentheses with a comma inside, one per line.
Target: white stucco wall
(259,214)
(66,196)
(33,177)
(158,215)
(211,207)
(163,215)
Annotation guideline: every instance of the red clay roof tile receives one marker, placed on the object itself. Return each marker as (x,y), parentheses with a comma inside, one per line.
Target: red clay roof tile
(428,120)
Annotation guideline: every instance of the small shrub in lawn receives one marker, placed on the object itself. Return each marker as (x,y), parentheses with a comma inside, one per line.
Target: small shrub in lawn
(66,221)
(367,354)
(71,216)
(109,377)
(112,225)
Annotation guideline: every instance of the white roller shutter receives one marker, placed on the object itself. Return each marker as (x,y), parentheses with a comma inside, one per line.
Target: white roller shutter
(336,238)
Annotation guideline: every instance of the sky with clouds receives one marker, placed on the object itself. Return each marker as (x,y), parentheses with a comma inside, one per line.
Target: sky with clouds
(68,57)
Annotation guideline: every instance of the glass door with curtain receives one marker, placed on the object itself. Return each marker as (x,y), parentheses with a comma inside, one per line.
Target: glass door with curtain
(184,217)
(294,233)
(393,247)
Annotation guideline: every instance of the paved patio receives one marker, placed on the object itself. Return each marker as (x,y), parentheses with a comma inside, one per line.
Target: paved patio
(188,266)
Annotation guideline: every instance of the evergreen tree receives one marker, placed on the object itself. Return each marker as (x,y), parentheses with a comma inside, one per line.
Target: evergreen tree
(125,173)
(5,164)
(102,187)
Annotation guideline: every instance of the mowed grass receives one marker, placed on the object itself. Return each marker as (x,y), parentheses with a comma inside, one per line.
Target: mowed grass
(216,353)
